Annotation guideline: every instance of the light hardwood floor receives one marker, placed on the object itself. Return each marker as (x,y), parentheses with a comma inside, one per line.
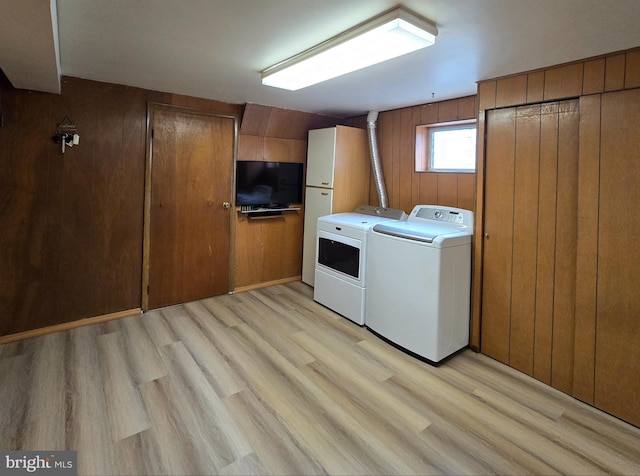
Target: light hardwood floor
(270,382)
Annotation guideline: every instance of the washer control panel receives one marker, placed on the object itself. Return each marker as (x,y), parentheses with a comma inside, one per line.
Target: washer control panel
(455,216)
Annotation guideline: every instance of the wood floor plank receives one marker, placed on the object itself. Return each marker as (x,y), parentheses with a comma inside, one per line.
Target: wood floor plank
(271,382)
(142,354)
(158,328)
(364,383)
(88,426)
(213,365)
(44,423)
(274,327)
(125,409)
(203,413)
(15,378)
(275,446)
(173,450)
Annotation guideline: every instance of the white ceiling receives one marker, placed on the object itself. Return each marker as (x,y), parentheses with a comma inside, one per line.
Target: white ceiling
(216,48)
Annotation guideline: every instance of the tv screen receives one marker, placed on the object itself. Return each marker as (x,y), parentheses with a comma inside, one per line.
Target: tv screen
(268,184)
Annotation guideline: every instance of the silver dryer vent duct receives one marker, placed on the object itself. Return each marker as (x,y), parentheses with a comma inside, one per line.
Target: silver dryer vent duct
(375,159)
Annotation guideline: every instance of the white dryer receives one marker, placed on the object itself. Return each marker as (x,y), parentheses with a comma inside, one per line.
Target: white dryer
(341,250)
(419,281)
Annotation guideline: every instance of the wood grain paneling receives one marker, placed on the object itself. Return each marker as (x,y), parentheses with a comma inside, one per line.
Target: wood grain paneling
(269,251)
(397,142)
(593,81)
(79,252)
(466,107)
(535,87)
(614,72)
(618,288)
(563,82)
(447,189)
(448,110)
(466,187)
(267,121)
(72,223)
(486,95)
(511,91)
(632,70)
(571,294)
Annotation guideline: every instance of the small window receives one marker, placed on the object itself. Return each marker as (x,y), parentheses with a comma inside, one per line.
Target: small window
(446,147)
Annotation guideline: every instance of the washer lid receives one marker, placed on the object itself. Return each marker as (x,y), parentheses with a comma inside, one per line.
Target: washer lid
(418,231)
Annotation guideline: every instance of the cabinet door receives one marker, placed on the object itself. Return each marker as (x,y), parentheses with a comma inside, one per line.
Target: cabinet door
(321,157)
(318,202)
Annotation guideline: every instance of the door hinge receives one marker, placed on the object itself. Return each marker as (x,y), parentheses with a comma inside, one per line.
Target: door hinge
(147,289)
(153,133)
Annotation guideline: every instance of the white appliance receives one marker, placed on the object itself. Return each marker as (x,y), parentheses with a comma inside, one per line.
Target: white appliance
(419,280)
(338,172)
(340,271)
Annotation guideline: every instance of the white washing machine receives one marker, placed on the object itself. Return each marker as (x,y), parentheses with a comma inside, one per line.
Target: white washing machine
(419,281)
(341,248)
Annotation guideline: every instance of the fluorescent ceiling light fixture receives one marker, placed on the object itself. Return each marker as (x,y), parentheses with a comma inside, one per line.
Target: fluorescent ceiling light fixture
(387,36)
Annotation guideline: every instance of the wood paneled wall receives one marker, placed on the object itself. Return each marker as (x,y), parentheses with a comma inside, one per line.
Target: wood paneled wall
(396,132)
(270,250)
(593,342)
(71,240)
(616,71)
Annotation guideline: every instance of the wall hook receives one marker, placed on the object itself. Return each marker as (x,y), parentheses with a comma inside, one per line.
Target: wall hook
(66,134)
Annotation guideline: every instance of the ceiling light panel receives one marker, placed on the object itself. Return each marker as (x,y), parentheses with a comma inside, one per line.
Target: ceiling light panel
(388,36)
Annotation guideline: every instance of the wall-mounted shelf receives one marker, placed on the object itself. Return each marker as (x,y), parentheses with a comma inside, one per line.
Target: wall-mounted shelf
(262,213)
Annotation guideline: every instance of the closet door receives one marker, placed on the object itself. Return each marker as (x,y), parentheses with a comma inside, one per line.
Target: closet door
(498,227)
(530,236)
(617,375)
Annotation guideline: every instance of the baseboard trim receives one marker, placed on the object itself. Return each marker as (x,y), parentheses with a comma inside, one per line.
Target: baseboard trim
(266,284)
(65,326)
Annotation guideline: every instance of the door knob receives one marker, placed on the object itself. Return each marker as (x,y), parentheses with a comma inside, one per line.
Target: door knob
(486,235)
(226,205)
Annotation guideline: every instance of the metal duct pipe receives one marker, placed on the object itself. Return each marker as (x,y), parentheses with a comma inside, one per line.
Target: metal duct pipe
(375,159)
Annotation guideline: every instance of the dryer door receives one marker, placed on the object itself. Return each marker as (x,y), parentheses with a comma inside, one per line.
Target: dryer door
(340,254)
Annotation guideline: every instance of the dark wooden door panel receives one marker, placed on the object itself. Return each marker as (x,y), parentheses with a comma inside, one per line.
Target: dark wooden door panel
(192,161)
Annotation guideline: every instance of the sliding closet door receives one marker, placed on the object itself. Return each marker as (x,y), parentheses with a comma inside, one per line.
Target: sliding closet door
(530,236)
(498,227)
(617,376)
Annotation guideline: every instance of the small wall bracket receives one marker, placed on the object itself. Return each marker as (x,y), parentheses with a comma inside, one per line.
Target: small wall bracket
(66,134)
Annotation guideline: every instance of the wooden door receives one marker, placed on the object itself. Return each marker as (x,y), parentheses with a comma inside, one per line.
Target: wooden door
(191,172)
(530,225)
(617,353)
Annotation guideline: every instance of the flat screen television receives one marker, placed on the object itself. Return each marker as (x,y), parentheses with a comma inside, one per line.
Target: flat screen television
(268,184)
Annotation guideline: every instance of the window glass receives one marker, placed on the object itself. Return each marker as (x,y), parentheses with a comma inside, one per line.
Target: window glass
(452,147)
(446,147)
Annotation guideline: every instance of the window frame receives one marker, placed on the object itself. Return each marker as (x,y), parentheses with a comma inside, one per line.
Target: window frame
(424,134)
